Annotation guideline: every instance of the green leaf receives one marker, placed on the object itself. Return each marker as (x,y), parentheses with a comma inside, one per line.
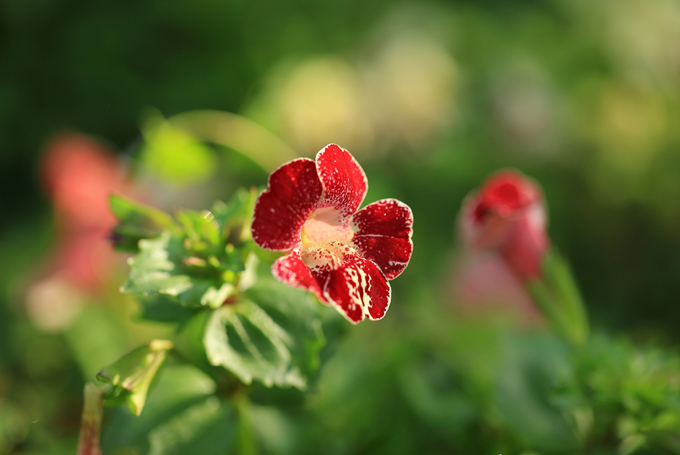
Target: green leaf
(558,297)
(154,270)
(532,366)
(214,298)
(235,217)
(158,269)
(189,345)
(273,336)
(131,376)
(131,212)
(175,155)
(206,428)
(559,274)
(200,226)
(136,222)
(182,416)
(163,308)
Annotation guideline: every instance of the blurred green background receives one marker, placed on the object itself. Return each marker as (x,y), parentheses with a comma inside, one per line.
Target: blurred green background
(431,97)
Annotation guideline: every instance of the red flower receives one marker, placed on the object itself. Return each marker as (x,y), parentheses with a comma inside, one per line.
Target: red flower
(342,255)
(508,215)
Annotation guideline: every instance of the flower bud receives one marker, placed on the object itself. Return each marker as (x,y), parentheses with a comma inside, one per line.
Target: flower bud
(508,216)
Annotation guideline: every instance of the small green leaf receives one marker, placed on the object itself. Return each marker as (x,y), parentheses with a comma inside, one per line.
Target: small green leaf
(557,295)
(200,226)
(158,269)
(153,269)
(214,298)
(131,376)
(182,416)
(131,212)
(163,308)
(136,222)
(189,344)
(273,337)
(235,217)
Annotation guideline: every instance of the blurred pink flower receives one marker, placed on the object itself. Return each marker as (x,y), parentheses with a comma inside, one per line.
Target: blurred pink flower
(79,175)
(508,216)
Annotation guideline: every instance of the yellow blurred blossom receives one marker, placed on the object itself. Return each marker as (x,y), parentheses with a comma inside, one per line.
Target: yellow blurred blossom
(411,85)
(320,102)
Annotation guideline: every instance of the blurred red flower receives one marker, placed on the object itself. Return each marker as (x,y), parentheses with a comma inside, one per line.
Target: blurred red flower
(508,216)
(79,174)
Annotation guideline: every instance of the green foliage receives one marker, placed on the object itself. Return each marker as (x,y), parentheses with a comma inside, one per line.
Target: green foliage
(163,308)
(236,213)
(157,269)
(624,393)
(135,222)
(166,267)
(558,297)
(131,376)
(200,260)
(201,272)
(490,388)
(183,416)
(273,336)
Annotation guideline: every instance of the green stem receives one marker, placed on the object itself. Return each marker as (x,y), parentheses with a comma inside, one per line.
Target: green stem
(557,295)
(550,309)
(238,133)
(572,303)
(247,441)
(91,422)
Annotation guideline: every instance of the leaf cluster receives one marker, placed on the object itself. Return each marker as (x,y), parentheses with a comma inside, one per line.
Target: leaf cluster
(199,270)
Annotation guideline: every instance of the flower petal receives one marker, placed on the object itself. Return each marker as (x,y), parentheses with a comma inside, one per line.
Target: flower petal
(292,271)
(358,290)
(344,183)
(490,234)
(527,244)
(292,195)
(383,234)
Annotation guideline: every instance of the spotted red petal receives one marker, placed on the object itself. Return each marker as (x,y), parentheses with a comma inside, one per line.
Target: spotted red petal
(344,182)
(292,271)
(383,234)
(358,290)
(292,195)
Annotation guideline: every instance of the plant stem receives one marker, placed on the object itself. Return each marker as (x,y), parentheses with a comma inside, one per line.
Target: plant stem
(91,422)
(247,442)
